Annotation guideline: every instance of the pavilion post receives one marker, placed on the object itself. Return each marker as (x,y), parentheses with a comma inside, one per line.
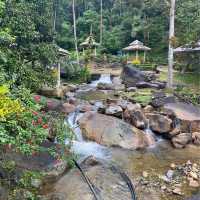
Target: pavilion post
(58,76)
(137,55)
(144,56)
(95,51)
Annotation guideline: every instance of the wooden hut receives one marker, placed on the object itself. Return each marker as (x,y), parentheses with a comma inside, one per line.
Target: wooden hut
(90,43)
(137,46)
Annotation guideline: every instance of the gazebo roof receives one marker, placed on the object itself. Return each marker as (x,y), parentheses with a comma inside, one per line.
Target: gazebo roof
(188,48)
(89,42)
(137,46)
(63,52)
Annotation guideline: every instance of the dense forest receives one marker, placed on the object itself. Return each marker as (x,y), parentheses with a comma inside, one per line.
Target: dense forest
(125,20)
(29,28)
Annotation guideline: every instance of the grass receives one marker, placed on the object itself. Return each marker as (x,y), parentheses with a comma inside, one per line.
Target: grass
(189,80)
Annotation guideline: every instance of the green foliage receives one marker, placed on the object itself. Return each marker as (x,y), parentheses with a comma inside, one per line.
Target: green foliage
(26,43)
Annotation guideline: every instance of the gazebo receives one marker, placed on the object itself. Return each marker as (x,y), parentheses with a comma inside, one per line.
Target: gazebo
(137,46)
(62,54)
(188,53)
(188,48)
(90,43)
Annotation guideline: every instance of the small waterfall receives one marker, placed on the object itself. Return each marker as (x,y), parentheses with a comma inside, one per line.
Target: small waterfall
(79,145)
(151,136)
(105,78)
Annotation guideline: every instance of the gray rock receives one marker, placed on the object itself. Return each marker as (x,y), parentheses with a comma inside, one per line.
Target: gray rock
(111,131)
(159,123)
(181,140)
(114,110)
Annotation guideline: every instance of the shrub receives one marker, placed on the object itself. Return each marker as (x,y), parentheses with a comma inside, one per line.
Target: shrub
(136,62)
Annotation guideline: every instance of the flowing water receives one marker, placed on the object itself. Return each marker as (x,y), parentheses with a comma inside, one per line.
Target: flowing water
(82,147)
(105,78)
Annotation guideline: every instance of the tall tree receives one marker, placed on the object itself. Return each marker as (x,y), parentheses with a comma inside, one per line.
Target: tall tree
(75,35)
(171,39)
(101,23)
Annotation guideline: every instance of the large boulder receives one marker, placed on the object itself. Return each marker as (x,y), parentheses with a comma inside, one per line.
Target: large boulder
(160,99)
(108,181)
(187,116)
(159,123)
(111,131)
(131,76)
(152,84)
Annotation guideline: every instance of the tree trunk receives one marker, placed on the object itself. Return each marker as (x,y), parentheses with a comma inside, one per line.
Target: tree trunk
(171,50)
(75,36)
(101,23)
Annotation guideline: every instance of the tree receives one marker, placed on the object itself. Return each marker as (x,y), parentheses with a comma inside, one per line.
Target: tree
(101,23)
(171,50)
(75,36)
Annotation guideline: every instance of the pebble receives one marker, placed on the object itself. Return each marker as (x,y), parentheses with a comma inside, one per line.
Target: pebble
(170,174)
(193,183)
(173,166)
(193,175)
(177,191)
(145,174)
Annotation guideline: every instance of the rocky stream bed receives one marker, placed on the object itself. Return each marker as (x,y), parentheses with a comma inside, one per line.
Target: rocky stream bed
(155,143)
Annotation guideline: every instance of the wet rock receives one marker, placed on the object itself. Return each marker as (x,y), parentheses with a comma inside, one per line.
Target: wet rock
(196,138)
(136,117)
(181,140)
(110,131)
(68,108)
(159,123)
(114,110)
(105,86)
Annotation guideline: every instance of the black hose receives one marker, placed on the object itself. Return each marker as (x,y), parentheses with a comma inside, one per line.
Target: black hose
(127,181)
(87,181)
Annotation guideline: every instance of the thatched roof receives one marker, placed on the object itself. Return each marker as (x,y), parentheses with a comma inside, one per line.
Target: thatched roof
(63,52)
(188,48)
(137,46)
(89,42)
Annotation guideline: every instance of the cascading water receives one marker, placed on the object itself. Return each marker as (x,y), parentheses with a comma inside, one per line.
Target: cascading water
(105,78)
(152,137)
(82,147)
